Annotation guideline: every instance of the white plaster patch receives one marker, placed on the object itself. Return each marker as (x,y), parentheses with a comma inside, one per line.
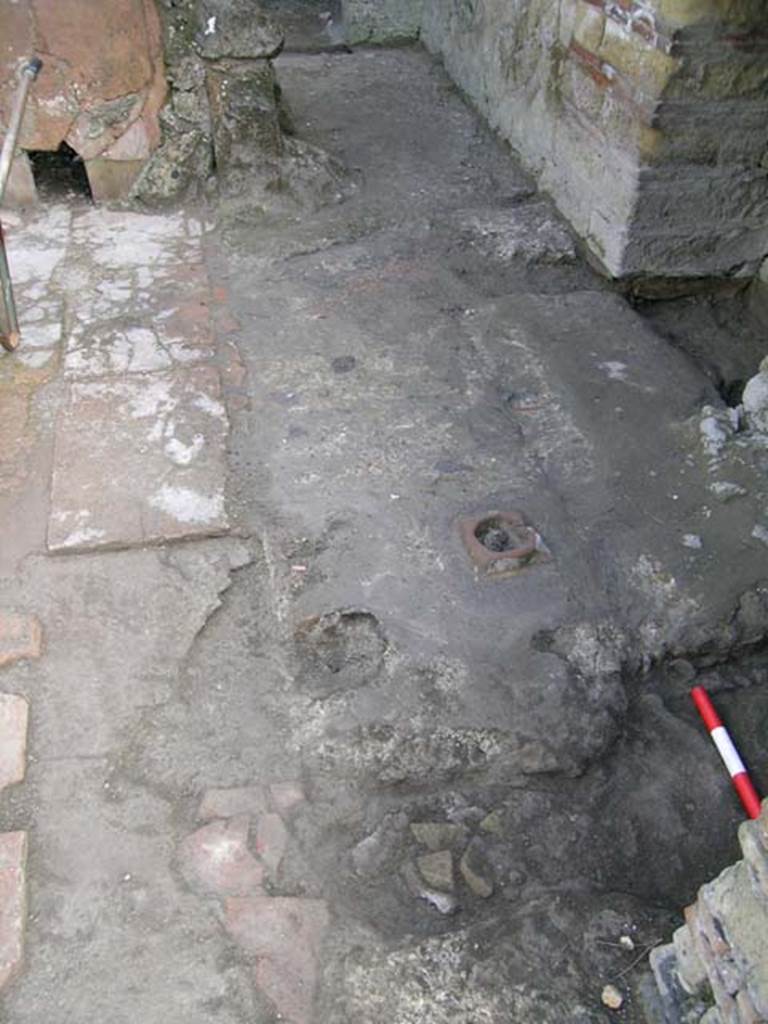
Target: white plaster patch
(182,454)
(35,360)
(41,335)
(85,535)
(614,370)
(186,505)
(207,404)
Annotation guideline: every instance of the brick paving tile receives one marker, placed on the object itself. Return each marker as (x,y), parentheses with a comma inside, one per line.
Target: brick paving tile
(13,903)
(14,715)
(20,637)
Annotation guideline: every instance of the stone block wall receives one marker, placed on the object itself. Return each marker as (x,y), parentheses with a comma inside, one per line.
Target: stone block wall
(646,120)
(716,969)
(101,88)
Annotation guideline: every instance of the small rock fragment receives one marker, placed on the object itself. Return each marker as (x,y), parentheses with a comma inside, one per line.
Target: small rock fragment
(444,902)
(437,835)
(627,942)
(373,853)
(492,823)
(692,540)
(760,533)
(612,997)
(725,491)
(437,870)
(477,871)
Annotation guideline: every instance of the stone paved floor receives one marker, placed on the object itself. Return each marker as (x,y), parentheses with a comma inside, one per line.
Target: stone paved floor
(289,756)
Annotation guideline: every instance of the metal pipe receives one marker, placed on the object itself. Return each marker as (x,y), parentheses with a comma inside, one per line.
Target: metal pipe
(28,73)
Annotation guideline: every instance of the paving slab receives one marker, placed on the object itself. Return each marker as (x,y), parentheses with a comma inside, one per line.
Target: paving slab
(139,459)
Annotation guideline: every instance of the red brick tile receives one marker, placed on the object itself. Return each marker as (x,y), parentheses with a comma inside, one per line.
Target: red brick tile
(14,715)
(285,934)
(20,637)
(216,859)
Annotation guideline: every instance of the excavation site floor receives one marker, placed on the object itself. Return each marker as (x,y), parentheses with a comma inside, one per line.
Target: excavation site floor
(374,548)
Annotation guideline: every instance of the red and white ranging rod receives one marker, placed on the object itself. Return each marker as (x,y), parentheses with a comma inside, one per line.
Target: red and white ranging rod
(730,755)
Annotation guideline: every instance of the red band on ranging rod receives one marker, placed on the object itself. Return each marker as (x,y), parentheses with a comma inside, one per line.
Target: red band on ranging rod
(728,752)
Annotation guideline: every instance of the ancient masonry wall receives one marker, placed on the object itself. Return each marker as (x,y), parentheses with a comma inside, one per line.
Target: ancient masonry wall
(647,120)
(716,969)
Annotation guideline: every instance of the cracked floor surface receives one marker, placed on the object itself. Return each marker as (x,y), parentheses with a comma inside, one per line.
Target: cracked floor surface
(310,765)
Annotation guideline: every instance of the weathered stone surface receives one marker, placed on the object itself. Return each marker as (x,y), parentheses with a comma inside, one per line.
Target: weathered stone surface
(20,637)
(217,860)
(437,869)
(14,715)
(180,164)
(139,459)
(285,935)
(233,28)
(13,903)
(376,852)
(228,803)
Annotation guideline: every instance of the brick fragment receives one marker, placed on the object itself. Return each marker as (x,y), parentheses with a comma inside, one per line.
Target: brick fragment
(216,859)
(14,716)
(285,935)
(20,637)
(13,903)
(271,840)
(286,795)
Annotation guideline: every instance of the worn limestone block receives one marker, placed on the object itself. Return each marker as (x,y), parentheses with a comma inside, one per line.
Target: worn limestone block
(14,716)
(139,459)
(247,136)
(13,903)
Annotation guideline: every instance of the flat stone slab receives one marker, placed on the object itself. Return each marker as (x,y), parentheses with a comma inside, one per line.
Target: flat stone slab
(138,460)
(13,903)
(20,637)
(14,717)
